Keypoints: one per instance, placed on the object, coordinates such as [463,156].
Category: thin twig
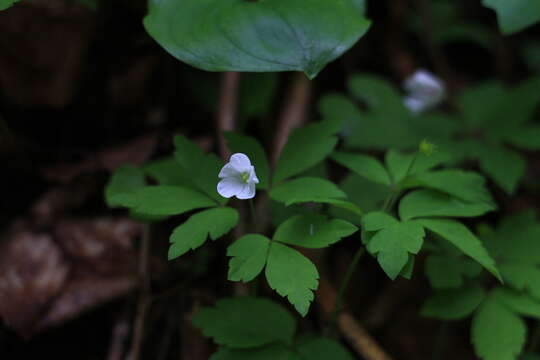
[144,299]
[228,99]
[120,333]
[355,334]
[294,113]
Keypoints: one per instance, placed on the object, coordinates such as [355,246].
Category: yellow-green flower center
[244,176]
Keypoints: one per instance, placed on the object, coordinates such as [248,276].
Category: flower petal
[228,171]
[248,192]
[229,187]
[415,105]
[424,83]
[252,176]
[240,162]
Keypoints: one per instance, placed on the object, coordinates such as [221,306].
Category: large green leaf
[292,275]
[452,304]
[246,322]
[497,333]
[254,150]
[306,147]
[313,231]
[164,200]
[306,189]
[249,254]
[457,234]
[431,203]
[393,242]
[237,35]
[515,15]
[194,232]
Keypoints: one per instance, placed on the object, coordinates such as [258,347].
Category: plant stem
[144,295]
[343,287]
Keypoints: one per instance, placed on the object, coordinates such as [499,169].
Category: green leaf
[453,304]
[294,35]
[313,231]
[167,171]
[338,106]
[457,234]
[123,182]
[305,148]
[527,137]
[164,200]
[401,165]
[378,220]
[505,167]
[445,272]
[430,203]
[483,103]
[407,271]
[337,203]
[306,189]
[393,242]
[4,4]
[365,166]
[522,277]
[323,349]
[377,93]
[497,333]
[520,303]
[249,254]
[246,322]
[517,239]
[202,169]
[255,152]
[467,186]
[268,352]
[368,195]
[515,15]
[292,275]
[194,232]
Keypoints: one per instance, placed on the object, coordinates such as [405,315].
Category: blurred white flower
[425,91]
[238,178]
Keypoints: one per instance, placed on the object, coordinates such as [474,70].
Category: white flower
[425,91]
[238,178]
